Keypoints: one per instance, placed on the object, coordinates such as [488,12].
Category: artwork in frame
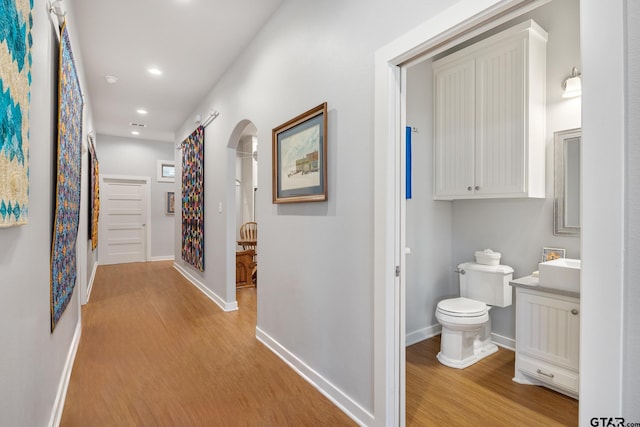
[300,158]
[549,254]
[166,171]
[16,22]
[170,208]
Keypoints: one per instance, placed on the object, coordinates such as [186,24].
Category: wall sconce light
[572,85]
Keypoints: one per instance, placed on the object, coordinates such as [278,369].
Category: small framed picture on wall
[549,254]
[166,171]
[170,203]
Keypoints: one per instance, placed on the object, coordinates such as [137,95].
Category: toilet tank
[486,283]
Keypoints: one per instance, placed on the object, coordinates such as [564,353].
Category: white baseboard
[347,405]
[90,284]
[504,342]
[422,334]
[226,306]
[162,258]
[58,404]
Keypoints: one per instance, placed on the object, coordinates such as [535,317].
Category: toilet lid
[462,307]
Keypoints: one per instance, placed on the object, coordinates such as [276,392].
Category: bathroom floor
[481,395]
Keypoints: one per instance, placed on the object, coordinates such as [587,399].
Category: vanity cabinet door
[548,328]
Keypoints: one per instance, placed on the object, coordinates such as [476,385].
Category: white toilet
[466,326]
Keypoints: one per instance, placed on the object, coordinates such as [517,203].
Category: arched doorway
[242,186]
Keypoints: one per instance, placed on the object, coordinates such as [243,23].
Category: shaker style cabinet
[489,117]
[548,340]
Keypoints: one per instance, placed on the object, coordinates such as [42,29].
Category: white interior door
[124,219]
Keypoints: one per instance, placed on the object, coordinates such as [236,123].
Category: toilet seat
[462,307]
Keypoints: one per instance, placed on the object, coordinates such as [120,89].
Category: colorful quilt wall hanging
[67,210]
[15,97]
[193,199]
[94,194]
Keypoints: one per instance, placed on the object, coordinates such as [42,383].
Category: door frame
[124,179]
[454,25]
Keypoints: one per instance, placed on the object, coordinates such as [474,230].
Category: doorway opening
[443,234]
[244,147]
[396,62]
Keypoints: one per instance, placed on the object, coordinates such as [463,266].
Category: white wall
[429,272]
[32,359]
[631,409]
[315,295]
[132,156]
[520,228]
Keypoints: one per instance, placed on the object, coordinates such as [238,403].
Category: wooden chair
[246,268]
[249,235]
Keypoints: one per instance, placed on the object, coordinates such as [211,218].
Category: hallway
[155,351]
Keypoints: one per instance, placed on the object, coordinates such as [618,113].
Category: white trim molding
[58,404]
[356,412]
[162,258]
[422,334]
[504,342]
[225,306]
[91,279]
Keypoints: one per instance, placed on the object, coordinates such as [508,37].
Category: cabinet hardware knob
[477,187]
[539,371]
[574,311]
[469,188]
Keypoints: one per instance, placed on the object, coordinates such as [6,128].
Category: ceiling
[193,42]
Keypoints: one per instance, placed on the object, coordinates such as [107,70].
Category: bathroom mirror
[566,221]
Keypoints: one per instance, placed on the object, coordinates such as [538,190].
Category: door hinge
[397,271]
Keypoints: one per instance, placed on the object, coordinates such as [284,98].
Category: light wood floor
[481,395]
[156,352]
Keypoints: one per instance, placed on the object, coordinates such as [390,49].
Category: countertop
[530,282]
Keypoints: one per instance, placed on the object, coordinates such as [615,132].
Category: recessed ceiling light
[111,79]
[155,71]
[141,111]
[135,132]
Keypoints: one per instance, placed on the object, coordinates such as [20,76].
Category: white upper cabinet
[490,117]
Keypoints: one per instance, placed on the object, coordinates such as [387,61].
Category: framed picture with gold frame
[300,158]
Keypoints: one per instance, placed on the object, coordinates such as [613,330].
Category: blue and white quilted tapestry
[15,83]
[67,214]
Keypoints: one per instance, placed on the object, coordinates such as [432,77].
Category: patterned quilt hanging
[67,210]
[193,199]
[94,194]
[15,98]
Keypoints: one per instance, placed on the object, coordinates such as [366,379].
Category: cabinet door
[500,119]
[548,328]
[454,129]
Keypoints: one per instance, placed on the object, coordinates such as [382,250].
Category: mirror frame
[559,226]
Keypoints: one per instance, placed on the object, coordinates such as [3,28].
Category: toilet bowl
[466,332]
[466,325]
